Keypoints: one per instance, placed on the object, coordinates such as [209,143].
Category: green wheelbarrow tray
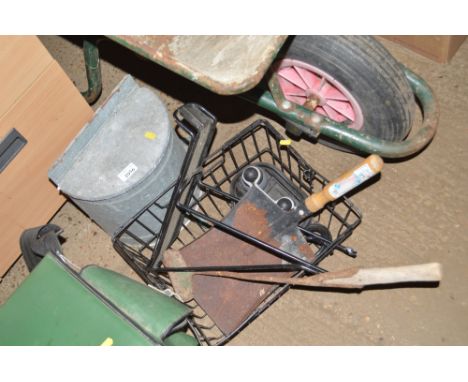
[226,65]
[229,65]
[56,305]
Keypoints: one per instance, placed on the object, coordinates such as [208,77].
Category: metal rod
[235,268]
[324,241]
[250,239]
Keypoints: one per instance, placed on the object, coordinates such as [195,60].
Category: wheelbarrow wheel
[349,79]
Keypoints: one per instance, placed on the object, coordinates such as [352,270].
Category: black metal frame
[201,199]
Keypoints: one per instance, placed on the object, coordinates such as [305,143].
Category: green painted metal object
[223,64]
[305,121]
[313,124]
[93,71]
[180,339]
[55,306]
[388,149]
[52,307]
[156,313]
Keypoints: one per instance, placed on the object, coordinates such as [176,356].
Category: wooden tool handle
[352,278]
[346,182]
[431,272]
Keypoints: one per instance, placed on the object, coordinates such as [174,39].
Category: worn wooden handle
[431,272]
[371,166]
[352,278]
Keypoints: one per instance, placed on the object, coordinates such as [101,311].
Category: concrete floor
[415,213]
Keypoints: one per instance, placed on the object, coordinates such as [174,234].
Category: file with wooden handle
[351,179]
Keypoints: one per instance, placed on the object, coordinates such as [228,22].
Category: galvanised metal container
[122,159]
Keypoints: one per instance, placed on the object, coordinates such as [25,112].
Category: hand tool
[272,218]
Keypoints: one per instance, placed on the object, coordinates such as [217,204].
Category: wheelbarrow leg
[93,71]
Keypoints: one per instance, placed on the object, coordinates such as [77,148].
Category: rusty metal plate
[223,64]
[229,302]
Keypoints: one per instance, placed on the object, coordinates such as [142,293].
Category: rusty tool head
[276,212]
[266,221]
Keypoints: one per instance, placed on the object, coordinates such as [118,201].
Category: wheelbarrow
[344,90]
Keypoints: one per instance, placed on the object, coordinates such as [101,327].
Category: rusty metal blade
[229,302]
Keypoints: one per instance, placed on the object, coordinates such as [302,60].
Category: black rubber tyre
[369,72]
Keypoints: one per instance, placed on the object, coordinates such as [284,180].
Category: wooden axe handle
[352,278]
[371,166]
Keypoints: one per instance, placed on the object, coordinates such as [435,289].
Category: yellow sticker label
[285,142]
[108,342]
[150,135]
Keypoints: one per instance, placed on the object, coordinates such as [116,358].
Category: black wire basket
[203,197]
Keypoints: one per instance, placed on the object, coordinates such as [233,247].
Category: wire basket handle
[200,124]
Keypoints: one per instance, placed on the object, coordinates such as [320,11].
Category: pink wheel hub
[308,86]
